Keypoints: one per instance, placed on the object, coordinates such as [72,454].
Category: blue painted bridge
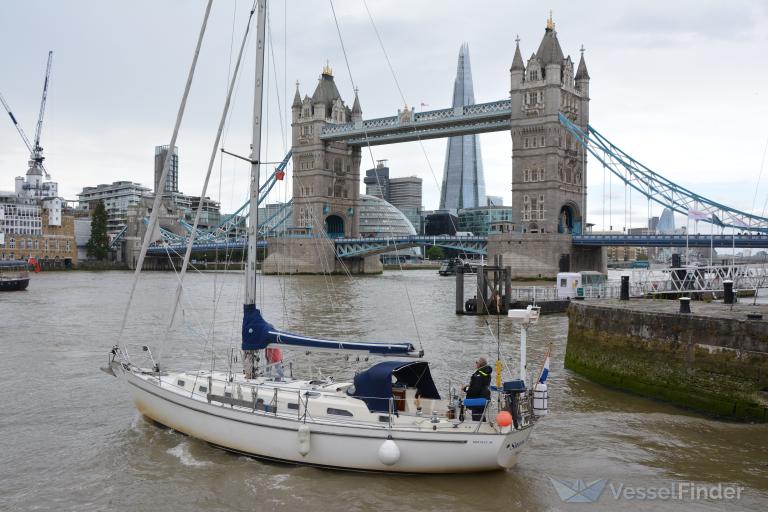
[355,247]
[746,241]
[358,247]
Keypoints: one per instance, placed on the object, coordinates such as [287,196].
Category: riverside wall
[714,360]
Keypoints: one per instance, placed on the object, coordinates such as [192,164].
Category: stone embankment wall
[713,361]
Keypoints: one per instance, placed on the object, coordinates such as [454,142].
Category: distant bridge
[749,241]
[357,247]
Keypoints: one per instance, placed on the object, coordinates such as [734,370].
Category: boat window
[384,419]
[203,389]
[295,407]
[180,382]
[227,394]
[339,412]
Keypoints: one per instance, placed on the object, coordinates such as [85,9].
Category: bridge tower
[326,187]
[326,175]
[549,192]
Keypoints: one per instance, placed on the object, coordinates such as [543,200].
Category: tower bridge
[410,126]
[548,168]
[547,115]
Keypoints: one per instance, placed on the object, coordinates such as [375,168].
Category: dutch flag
[544,371]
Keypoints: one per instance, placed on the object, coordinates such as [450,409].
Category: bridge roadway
[749,241]
[478,118]
[356,247]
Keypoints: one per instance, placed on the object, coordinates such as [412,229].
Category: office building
[117,196]
[172,178]
[35,223]
[377,181]
[379,219]
[478,220]
[463,181]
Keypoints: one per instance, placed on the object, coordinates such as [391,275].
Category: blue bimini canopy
[374,385]
[258,334]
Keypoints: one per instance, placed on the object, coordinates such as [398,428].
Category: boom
[35,151]
[42,103]
[16,124]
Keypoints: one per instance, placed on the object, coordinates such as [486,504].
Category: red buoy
[504,419]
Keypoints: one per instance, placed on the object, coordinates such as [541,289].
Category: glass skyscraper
[463,181]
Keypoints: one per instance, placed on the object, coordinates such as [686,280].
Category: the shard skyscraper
[463,181]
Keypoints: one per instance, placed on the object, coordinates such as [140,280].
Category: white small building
[567,284]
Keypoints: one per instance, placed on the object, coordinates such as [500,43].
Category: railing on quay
[700,279]
[533,293]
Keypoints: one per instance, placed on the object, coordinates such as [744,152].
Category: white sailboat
[389,418]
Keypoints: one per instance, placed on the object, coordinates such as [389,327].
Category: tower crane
[35,150]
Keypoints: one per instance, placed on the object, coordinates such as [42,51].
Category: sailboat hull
[333,446]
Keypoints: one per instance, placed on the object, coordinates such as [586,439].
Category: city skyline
[111,102]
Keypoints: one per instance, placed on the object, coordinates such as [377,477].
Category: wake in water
[181,451]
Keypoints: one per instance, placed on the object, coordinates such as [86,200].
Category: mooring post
[459,291]
[507,289]
[685,305]
[624,288]
[481,298]
[728,296]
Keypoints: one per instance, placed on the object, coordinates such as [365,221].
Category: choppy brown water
[70,438]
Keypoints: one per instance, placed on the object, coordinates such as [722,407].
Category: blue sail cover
[374,385]
[258,334]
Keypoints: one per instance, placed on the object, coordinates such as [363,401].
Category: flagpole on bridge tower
[687,232]
[711,241]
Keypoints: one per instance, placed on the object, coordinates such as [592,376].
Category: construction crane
[35,150]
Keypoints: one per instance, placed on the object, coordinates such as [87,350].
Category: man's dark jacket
[479,382]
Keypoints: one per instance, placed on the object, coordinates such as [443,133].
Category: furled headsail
[258,334]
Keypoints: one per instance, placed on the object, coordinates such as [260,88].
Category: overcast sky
[681,86]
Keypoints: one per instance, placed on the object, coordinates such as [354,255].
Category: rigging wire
[762,166]
[421,144]
[604,191]
[221,170]
[211,162]
[368,144]
[153,220]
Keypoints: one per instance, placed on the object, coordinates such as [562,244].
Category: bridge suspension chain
[658,188]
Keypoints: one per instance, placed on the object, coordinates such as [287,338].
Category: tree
[98,245]
[435,253]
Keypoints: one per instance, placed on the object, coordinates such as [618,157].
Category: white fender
[303,436]
[389,453]
[540,399]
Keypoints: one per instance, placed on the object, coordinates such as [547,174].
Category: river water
[70,438]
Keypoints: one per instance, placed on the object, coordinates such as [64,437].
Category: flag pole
[541,370]
[687,229]
[711,241]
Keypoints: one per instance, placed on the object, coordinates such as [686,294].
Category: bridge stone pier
[313,255]
[544,255]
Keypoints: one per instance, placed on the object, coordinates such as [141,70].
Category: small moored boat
[14,275]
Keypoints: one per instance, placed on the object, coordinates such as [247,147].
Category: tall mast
[253,217]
